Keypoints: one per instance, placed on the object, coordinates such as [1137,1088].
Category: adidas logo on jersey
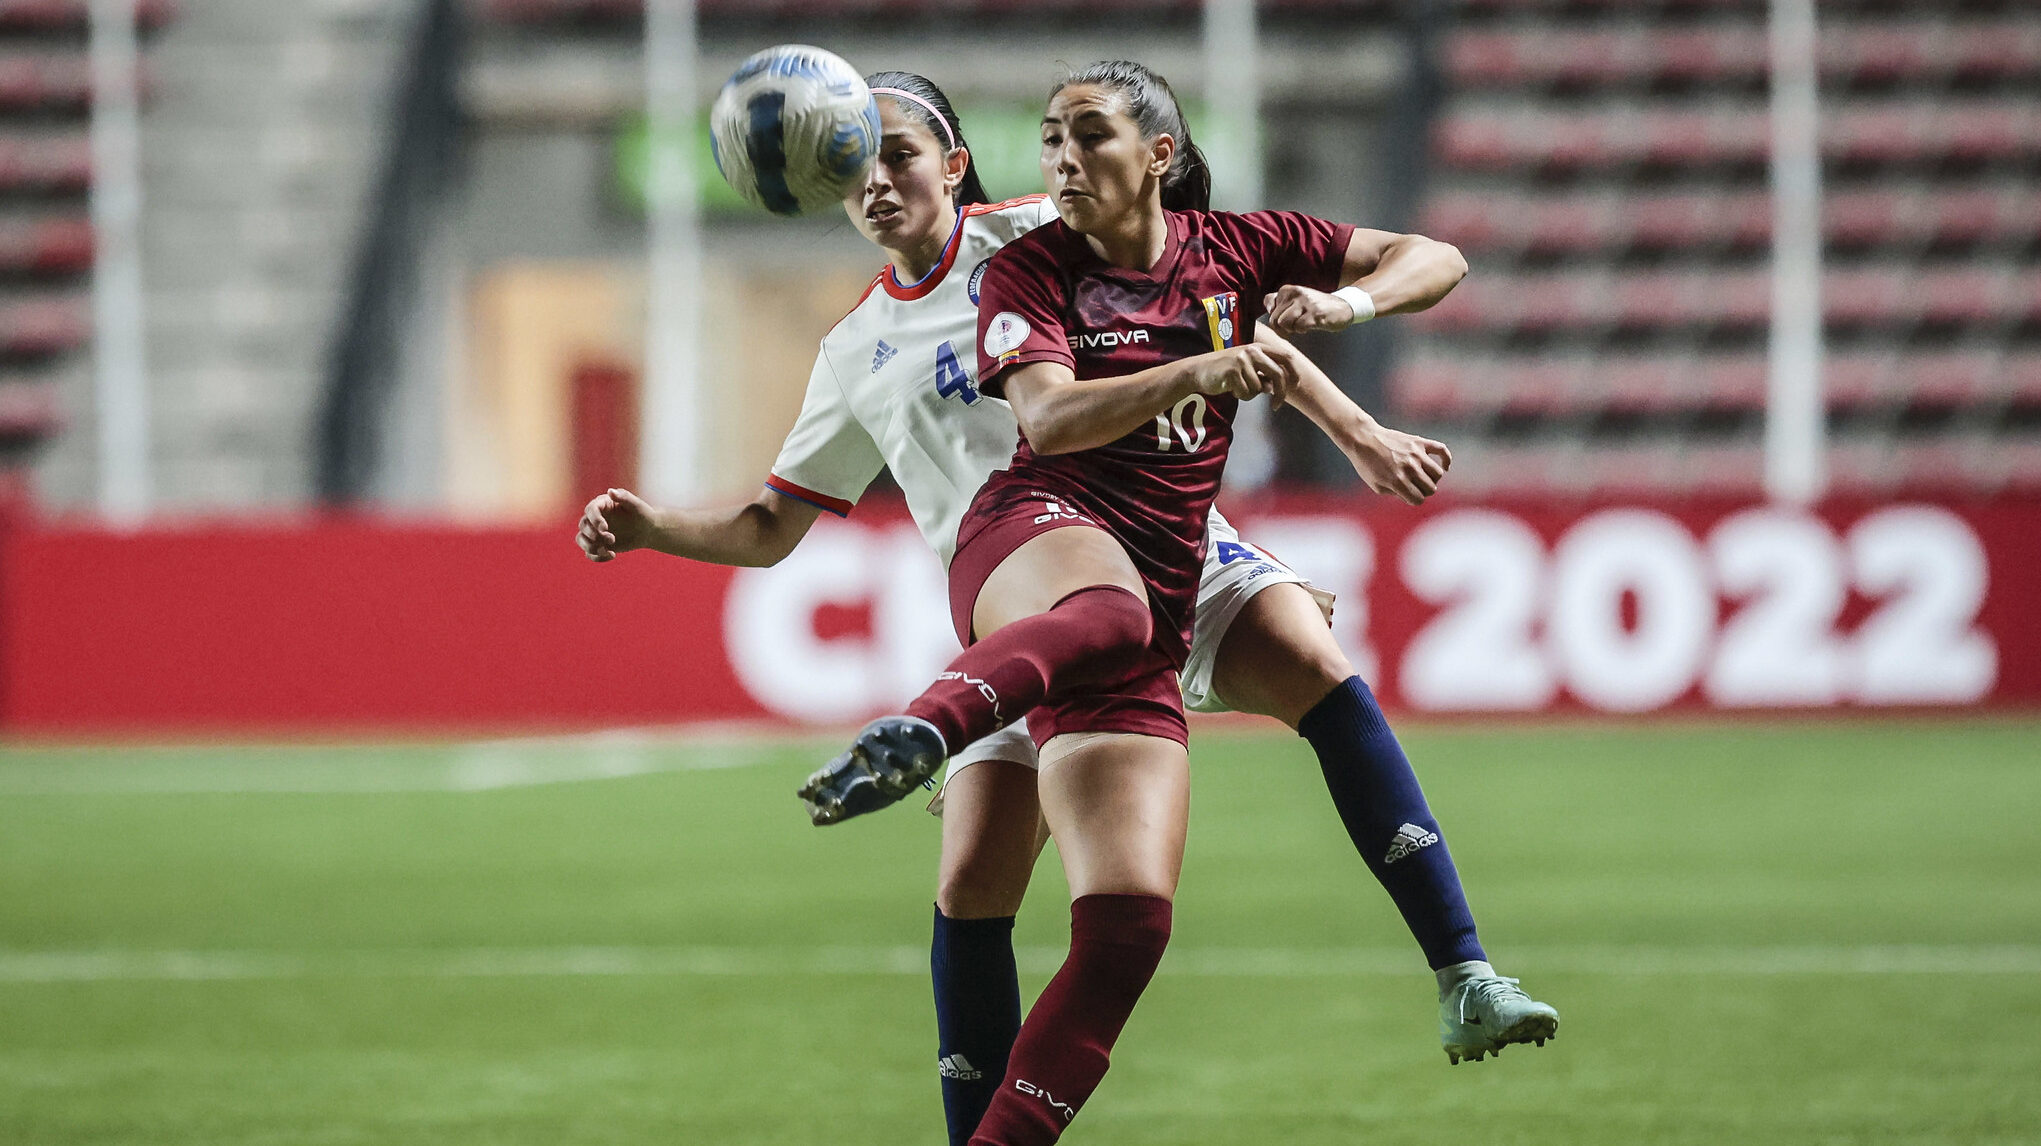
[1409,838]
[958,1067]
[882,355]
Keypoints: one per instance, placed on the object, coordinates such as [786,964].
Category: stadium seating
[64,16]
[1462,386]
[1923,51]
[1916,215]
[1606,298]
[46,238]
[1506,136]
[620,11]
[46,247]
[1603,165]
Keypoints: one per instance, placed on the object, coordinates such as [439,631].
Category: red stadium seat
[46,246]
[2019,378]
[1896,217]
[2019,465]
[1604,298]
[1933,51]
[1461,386]
[1621,7]
[1502,137]
[69,15]
[53,81]
[30,410]
[45,163]
[632,11]
[39,326]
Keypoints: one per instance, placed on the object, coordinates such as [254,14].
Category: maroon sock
[1083,639]
[1064,1047]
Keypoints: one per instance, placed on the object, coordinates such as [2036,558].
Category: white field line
[481,766]
[27,967]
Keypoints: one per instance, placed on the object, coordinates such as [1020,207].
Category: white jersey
[896,385]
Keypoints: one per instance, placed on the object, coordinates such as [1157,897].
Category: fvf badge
[1222,318]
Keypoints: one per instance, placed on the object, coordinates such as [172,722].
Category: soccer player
[1119,335]
[895,385]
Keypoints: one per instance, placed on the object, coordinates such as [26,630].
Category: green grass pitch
[1766,934]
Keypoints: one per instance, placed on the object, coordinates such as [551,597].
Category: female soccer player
[1116,333]
[895,385]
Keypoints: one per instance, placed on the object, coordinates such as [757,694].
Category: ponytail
[1152,105]
[926,104]
[1192,189]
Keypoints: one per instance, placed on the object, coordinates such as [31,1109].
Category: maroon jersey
[1047,297]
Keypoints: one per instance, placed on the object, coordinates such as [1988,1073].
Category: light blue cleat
[1479,1014]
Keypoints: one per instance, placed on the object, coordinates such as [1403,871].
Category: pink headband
[915,99]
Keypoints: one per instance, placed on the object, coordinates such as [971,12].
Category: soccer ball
[793,129]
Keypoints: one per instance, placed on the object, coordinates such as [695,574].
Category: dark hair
[970,190]
[1187,185]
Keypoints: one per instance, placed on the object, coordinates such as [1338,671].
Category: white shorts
[1234,572]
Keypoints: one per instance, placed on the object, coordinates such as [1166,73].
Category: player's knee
[1114,621]
[980,890]
[1322,668]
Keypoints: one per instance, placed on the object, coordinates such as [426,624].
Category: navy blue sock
[1384,810]
[977,1014]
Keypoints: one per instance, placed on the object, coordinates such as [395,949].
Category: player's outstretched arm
[1396,274]
[1061,414]
[1390,461]
[760,533]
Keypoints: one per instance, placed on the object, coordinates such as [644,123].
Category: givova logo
[984,690]
[1106,338]
[1026,1087]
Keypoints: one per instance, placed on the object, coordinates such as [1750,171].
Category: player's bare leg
[1063,604]
[1047,568]
[992,835]
[1119,805]
[1279,659]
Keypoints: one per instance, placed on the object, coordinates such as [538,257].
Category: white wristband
[1362,302]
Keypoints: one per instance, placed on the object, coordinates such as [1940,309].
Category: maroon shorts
[1146,699]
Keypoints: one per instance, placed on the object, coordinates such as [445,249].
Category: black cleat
[890,758]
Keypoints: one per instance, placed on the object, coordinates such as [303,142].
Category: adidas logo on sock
[882,355]
[958,1067]
[1408,839]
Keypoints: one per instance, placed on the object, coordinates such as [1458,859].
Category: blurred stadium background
[342,801]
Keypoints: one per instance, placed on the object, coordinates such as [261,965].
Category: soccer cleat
[889,758]
[1480,1015]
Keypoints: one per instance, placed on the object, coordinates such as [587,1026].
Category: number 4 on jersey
[950,379]
[1229,552]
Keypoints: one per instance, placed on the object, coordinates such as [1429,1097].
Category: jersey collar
[934,277]
[1173,234]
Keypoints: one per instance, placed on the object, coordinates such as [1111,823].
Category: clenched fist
[616,521]
[1301,310]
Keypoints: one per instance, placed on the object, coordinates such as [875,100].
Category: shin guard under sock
[1067,1042]
[1385,813]
[977,1014]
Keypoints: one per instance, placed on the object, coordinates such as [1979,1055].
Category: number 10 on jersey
[1185,424]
